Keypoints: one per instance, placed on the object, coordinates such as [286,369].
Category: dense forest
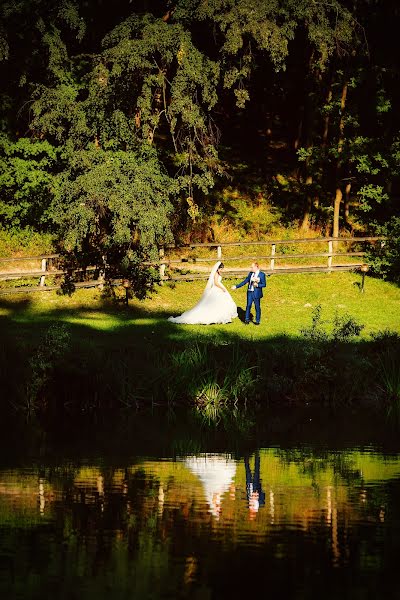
[132,123]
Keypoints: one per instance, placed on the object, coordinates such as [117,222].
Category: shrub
[25,242]
[315,331]
[345,327]
[215,379]
[389,375]
[42,364]
[342,329]
[385,260]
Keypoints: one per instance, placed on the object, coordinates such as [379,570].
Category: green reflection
[175,528]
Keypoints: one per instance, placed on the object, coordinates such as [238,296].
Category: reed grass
[389,369]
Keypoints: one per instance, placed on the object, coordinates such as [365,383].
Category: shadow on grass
[59,365]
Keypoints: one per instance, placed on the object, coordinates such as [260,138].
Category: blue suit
[255,295]
[253,480]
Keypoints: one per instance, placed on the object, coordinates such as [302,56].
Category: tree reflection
[169,527]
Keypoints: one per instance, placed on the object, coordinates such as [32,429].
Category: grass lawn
[113,356]
[287,307]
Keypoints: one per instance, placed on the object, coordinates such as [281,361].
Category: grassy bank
[85,354]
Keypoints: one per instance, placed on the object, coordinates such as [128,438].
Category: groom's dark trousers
[251,297]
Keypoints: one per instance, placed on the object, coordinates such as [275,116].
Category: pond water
[300,522]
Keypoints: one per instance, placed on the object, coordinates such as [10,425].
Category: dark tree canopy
[121,122]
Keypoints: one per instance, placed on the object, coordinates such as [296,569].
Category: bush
[25,242]
[217,380]
[43,363]
[343,328]
[385,260]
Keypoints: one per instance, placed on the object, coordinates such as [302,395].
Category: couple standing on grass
[216,304]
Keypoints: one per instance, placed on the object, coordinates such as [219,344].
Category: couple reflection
[254,491]
[216,472]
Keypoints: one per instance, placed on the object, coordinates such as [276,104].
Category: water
[277,523]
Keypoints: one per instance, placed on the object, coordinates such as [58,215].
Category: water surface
[280,522]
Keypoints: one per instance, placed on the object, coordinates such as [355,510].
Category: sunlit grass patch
[286,307]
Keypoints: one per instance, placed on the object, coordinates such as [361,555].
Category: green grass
[286,308]
[113,356]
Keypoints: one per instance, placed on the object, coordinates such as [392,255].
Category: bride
[215,305]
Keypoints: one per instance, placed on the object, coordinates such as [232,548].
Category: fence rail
[48,267]
[269,242]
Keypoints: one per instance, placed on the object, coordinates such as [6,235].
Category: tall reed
[389,375]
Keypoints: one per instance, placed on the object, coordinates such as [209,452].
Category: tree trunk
[347,203]
[339,193]
[297,141]
[341,121]
[327,117]
[336,212]
[307,207]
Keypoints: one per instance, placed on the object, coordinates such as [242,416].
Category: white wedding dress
[214,306]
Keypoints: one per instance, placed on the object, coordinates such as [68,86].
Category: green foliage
[26,176]
[26,241]
[371,193]
[113,204]
[238,213]
[384,259]
[42,365]
[342,329]
[113,197]
[315,331]
[386,337]
[375,162]
[270,26]
[142,279]
[389,375]
[217,380]
[345,327]
[338,374]
[67,286]
[112,119]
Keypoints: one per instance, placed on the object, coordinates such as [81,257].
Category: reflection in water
[272,506]
[203,526]
[42,499]
[255,494]
[331,518]
[216,473]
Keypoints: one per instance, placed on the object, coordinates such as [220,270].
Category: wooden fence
[49,262]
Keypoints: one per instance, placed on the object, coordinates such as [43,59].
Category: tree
[26,175]
[102,99]
[113,204]
[385,259]
[140,103]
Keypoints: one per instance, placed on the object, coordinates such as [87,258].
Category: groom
[256,281]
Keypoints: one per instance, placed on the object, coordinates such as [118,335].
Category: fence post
[102,274]
[272,261]
[161,254]
[219,252]
[100,280]
[330,252]
[44,269]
